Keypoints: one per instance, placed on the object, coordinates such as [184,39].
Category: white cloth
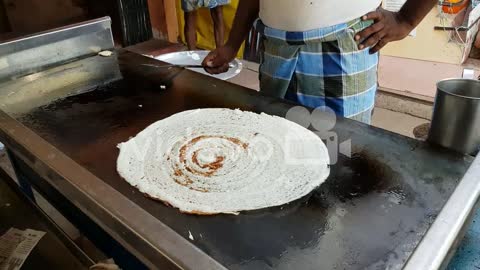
[304,15]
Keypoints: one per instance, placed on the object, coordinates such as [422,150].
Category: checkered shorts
[322,67]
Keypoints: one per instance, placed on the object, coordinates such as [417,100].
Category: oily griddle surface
[371,212]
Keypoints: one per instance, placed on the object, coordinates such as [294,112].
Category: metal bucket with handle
[456,116]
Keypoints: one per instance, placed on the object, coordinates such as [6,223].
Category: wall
[26,16]
[413,66]
[4,24]
[163,17]
[158,18]
[428,45]
[97,9]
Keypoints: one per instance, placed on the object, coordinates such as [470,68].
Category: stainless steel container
[456,116]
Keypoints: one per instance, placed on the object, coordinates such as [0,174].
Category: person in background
[320,52]
[190,8]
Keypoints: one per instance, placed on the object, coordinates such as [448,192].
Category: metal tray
[196,58]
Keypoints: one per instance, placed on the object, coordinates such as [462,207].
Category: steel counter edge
[440,242]
[151,241]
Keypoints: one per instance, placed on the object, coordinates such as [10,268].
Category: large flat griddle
[371,213]
[395,199]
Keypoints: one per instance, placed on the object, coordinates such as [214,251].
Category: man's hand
[218,60]
[388,26]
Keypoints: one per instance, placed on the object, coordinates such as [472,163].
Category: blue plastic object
[468,254]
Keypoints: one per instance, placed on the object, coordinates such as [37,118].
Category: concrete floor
[397,122]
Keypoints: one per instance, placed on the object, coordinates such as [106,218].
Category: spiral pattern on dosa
[211,161]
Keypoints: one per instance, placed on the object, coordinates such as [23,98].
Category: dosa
[212,161]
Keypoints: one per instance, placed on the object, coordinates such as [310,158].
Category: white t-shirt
[304,15]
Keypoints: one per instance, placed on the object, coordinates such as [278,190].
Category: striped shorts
[322,67]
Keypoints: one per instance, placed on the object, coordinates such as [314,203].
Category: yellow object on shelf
[205,35]
[454,6]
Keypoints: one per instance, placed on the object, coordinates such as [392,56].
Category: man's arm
[217,61]
[246,14]
[391,26]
